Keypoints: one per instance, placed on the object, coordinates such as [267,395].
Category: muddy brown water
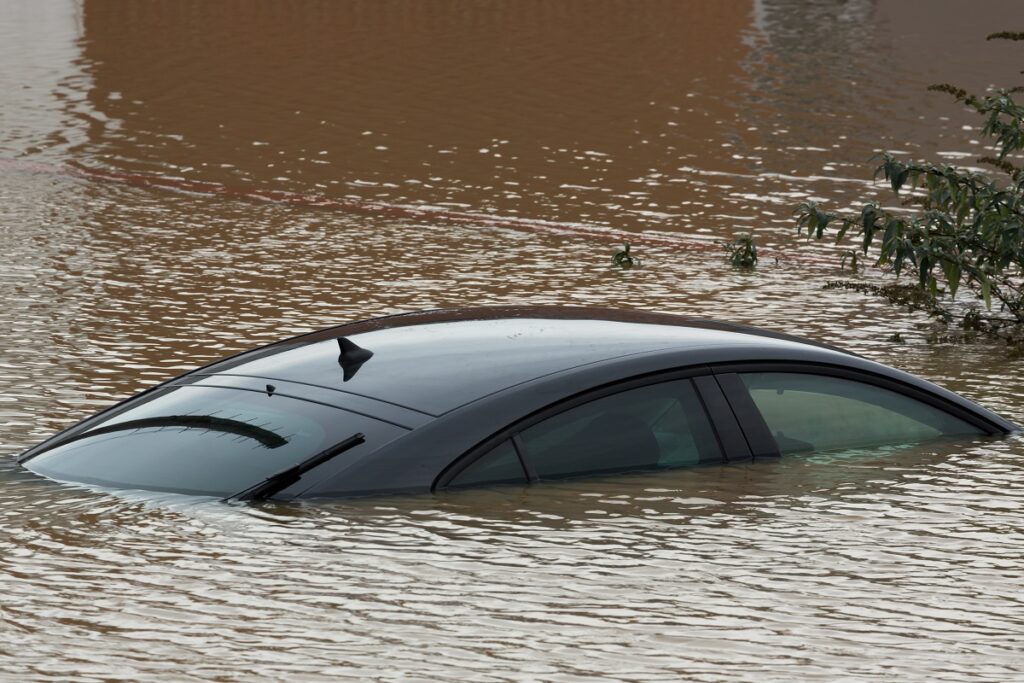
[179,181]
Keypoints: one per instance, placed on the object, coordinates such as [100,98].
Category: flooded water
[179,181]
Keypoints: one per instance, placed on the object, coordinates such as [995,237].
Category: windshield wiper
[288,476]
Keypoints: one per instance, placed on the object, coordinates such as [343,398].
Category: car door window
[658,425]
[500,465]
[807,412]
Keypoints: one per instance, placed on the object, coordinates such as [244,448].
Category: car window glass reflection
[808,412]
[501,465]
[201,440]
[659,425]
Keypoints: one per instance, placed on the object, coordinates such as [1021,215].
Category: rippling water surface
[179,181]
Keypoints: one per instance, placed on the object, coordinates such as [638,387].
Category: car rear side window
[654,426]
[808,412]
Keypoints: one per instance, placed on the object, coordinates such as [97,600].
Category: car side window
[807,412]
[654,426]
[500,465]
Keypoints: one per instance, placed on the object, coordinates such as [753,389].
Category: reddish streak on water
[430,214]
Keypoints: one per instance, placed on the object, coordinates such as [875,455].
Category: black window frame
[738,425]
[758,434]
[729,435]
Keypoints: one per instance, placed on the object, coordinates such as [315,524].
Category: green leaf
[891,232]
[868,215]
[951,269]
[898,179]
[842,231]
[822,219]
[963,209]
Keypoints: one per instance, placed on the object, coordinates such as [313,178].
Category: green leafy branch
[970,233]
[1004,118]
[967,229]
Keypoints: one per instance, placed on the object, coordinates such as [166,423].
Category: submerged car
[447,399]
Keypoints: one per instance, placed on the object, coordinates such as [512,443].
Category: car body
[428,401]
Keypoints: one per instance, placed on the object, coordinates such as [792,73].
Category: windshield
[203,440]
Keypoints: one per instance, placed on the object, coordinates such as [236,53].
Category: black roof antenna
[351,358]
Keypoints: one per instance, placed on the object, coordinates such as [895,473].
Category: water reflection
[719,569]
[521,108]
[675,122]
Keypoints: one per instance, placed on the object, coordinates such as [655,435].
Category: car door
[791,408]
[668,421]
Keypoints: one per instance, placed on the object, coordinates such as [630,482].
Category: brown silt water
[183,180]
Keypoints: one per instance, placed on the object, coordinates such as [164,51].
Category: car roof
[437,361]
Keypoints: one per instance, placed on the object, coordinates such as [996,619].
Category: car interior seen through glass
[655,426]
[808,412]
